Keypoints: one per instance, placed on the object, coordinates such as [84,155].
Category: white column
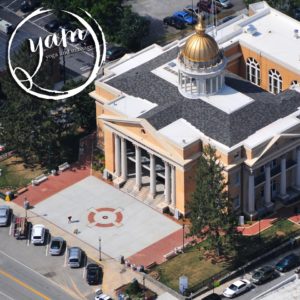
[173,186]
[268,201]
[167,184]
[298,168]
[117,156]
[138,168]
[283,177]
[152,176]
[124,158]
[251,193]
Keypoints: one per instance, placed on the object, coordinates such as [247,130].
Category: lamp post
[259,229]
[144,290]
[100,249]
[183,226]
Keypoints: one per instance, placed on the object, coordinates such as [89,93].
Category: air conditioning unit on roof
[251,29]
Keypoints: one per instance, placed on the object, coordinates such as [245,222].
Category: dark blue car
[287,263]
[185,17]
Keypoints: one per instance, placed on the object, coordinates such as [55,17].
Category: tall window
[253,71]
[275,82]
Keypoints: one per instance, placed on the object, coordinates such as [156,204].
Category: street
[30,271]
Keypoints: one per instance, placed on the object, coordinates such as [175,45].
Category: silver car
[4,215]
[74,257]
[56,246]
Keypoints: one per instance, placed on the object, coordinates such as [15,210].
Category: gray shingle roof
[228,129]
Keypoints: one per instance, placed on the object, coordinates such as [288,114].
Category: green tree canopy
[212,216]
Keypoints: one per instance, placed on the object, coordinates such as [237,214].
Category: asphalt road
[30,271]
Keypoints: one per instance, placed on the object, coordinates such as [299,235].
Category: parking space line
[48,242]
[6,296]
[47,15]
[11,224]
[11,3]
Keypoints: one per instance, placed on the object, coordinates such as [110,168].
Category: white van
[5,27]
[38,234]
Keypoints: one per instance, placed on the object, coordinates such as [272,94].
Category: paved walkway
[115,274]
[256,227]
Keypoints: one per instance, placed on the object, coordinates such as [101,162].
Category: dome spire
[200,26]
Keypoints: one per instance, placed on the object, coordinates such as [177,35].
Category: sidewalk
[115,274]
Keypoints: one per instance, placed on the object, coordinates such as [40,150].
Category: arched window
[253,71]
[275,82]
[294,83]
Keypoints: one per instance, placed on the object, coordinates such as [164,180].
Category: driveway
[98,210]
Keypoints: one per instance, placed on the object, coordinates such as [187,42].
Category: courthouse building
[235,88]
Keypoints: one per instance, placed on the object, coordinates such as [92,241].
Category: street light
[259,228]
[144,290]
[100,249]
[183,225]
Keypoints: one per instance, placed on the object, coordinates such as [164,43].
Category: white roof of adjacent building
[132,106]
[181,132]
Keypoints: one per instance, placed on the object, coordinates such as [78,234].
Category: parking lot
[72,282]
[79,61]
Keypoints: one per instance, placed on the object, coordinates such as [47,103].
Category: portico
[272,181]
[147,168]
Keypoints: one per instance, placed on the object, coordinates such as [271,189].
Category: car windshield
[74,260]
[55,245]
[2,212]
[109,52]
[37,237]
[233,287]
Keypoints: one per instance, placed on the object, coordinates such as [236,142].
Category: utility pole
[100,258]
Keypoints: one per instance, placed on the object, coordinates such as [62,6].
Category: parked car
[174,22]
[115,52]
[238,287]
[224,3]
[185,17]
[29,5]
[93,274]
[38,234]
[52,26]
[74,257]
[212,296]
[56,245]
[4,215]
[263,274]
[21,228]
[287,263]
[102,297]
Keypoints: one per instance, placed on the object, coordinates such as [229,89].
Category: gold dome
[200,47]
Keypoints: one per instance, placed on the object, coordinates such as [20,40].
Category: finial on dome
[200,27]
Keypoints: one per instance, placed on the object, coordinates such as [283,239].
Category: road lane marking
[8,297]
[11,223]
[23,284]
[48,242]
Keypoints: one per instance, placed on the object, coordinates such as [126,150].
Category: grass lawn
[190,264]
[15,175]
[197,269]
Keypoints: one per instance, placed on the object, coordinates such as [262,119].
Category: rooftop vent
[251,29]
[296,33]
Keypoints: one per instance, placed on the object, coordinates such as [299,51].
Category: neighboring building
[236,89]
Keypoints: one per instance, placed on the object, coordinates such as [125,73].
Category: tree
[27,125]
[133,28]
[212,216]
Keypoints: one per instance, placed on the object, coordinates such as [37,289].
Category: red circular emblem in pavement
[105,217]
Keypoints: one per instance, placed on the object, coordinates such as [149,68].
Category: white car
[102,297]
[224,3]
[38,234]
[238,287]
